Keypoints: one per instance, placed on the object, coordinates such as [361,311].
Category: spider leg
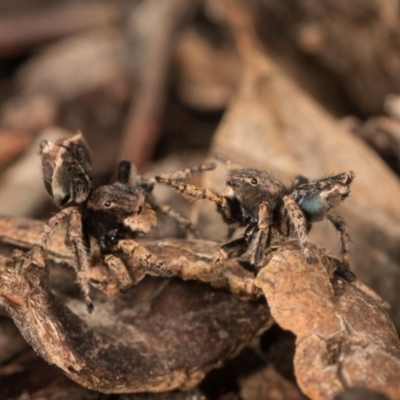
[229,163]
[341,226]
[298,180]
[148,183]
[53,223]
[131,249]
[74,240]
[234,248]
[124,171]
[193,192]
[284,225]
[117,267]
[300,225]
[127,170]
[180,219]
[262,237]
[231,231]
[187,172]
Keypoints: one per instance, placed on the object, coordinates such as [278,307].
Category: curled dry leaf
[344,335]
[161,335]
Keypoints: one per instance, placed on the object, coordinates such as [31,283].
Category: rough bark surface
[345,337]
[163,335]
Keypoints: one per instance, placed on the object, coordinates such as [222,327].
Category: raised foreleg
[187,172]
[192,192]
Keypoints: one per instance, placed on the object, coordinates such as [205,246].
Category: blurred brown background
[306,87]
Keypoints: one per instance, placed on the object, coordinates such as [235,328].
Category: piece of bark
[188,259]
[161,335]
[344,337]
[273,125]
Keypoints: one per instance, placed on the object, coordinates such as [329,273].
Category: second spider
[267,209]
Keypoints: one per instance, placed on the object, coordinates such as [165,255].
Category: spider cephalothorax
[267,208]
[106,214]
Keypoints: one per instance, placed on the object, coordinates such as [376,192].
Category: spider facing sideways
[269,210]
[104,215]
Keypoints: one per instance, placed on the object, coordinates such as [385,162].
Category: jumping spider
[104,215]
[268,209]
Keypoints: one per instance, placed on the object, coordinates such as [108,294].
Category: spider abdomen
[313,207]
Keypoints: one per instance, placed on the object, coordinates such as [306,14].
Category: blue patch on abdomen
[313,207]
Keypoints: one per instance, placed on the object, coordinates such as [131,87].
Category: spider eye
[254,181]
[140,209]
[107,203]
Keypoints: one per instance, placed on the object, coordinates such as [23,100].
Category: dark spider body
[102,215]
[268,209]
[251,187]
[105,215]
[273,208]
